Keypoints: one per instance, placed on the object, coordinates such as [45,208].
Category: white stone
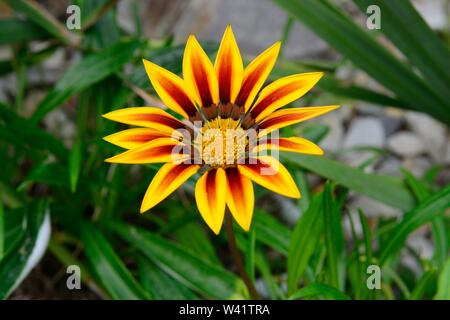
[406,144]
[432,133]
[434,12]
[447,152]
[390,167]
[365,131]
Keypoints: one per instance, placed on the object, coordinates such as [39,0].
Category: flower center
[221,142]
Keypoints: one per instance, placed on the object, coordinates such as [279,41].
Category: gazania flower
[214,99]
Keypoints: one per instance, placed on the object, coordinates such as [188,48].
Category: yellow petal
[271,174]
[240,197]
[282,92]
[168,178]
[293,144]
[133,138]
[199,74]
[229,67]
[290,116]
[156,151]
[171,89]
[149,117]
[255,74]
[210,192]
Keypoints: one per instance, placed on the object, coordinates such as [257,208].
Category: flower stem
[238,259]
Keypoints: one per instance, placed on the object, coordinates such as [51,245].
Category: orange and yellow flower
[215,99]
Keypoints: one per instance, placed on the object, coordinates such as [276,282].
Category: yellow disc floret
[221,142]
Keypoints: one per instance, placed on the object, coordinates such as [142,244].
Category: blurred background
[376,137]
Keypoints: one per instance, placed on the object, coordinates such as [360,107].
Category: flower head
[227,131]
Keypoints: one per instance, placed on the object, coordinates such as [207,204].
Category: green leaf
[427,211]
[404,26]
[367,237]
[193,236]
[108,267]
[275,292]
[349,39]
[319,290]
[2,230]
[47,173]
[337,87]
[360,93]
[304,240]
[198,274]
[422,286]
[88,71]
[38,14]
[438,225]
[334,238]
[271,232]
[32,234]
[443,292]
[388,190]
[75,162]
[27,133]
[13,31]
[161,285]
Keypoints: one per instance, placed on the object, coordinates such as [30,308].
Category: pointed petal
[210,192]
[240,197]
[290,116]
[199,74]
[171,89]
[293,144]
[155,151]
[282,92]
[133,138]
[168,178]
[149,117]
[271,174]
[255,74]
[229,67]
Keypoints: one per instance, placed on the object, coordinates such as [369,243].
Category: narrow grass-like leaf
[432,207]
[422,286]
[160,284]
[53,174]
[27,250]
[198,274]
[304,240]
[85,73]
[274,290]
[367,237]
[333,238]
[271,232]
[438,225]
[75,163]
[38,14]
[193,236]
[13,31]
[388,190]
[348,38]
[319,290]
[29,134]
[108,267]
[443,291]
[2,230]
[406,28]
